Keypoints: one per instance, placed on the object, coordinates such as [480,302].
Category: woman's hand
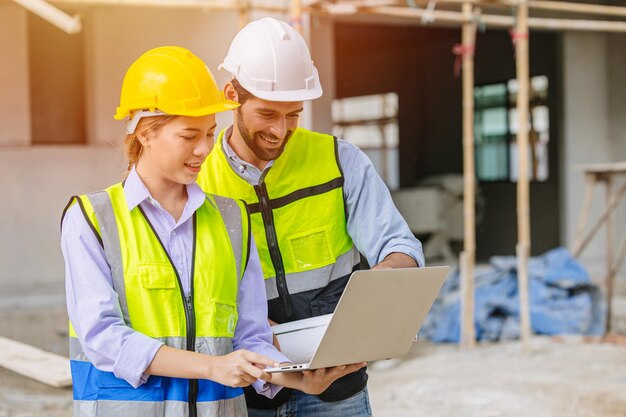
[239,368]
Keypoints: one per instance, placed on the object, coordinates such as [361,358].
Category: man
[314,201]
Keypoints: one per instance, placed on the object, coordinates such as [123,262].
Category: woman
[164,288]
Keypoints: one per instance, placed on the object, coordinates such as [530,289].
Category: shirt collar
[136,192]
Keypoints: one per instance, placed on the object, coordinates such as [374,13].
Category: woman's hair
[146,126]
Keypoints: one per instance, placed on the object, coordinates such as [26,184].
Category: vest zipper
[191,324]
[191,342]
[190,317]
[272,243]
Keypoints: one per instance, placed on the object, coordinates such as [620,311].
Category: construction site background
[39,175]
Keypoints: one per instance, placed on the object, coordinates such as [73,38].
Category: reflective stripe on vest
[297,213]
[167,408]
[152,302]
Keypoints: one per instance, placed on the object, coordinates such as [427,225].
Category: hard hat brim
[295,95]
[203,111]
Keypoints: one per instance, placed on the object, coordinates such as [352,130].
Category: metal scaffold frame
[520,24]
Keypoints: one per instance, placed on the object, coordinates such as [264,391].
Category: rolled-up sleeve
[94,309]
[253,331]
[374,223]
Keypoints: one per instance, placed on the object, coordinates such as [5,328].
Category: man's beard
[254,142]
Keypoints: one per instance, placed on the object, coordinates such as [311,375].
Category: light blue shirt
[374,223]
[92,303]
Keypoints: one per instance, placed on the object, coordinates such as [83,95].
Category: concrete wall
[14,83]
[37,181]
[116,36]
[594,114]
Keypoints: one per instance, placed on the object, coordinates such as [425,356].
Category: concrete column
[323,52]
[587,134]
[617,129]
[617,96]
[15,128]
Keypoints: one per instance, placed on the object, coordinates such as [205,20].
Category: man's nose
[279,128]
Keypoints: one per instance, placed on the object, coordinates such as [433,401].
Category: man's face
[266,126]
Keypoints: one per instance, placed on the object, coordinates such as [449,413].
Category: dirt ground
[558,376]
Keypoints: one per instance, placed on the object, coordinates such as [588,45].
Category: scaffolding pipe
[68,24]
[244,13]
[212,5]
[520,38]
[446,16]
[296,15]
[468,257]
[559,6]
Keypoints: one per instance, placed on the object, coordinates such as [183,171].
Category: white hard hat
[271,60]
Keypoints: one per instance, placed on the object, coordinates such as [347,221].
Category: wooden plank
[590,181]
[619,258]
[607,167]
[614,202]
[35,363]
[609,255]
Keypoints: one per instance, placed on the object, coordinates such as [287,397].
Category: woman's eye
[187,137]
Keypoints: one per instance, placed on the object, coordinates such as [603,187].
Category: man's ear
[230,93]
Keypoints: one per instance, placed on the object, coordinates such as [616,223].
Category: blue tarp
[563,300]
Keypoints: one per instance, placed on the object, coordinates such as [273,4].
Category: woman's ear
[144,138]
[230,93]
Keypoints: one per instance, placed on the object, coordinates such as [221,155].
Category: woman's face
[176,151]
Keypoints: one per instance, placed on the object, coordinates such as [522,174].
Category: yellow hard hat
[171,80]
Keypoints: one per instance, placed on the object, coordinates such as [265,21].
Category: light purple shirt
[93,306]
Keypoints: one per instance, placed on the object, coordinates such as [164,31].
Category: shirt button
[242,168]
[174,233]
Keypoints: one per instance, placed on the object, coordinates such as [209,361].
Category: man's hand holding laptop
[316,381]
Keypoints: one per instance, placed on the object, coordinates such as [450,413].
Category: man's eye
[187,137]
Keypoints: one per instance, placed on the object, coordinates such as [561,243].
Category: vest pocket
[222,318]
[154,300]
[157,275]
[311,249]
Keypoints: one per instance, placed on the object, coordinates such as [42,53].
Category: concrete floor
[558,377]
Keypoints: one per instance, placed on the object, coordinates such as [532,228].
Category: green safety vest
[152,302]
[297,214]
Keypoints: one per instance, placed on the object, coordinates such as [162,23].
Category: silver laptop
[378,317]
